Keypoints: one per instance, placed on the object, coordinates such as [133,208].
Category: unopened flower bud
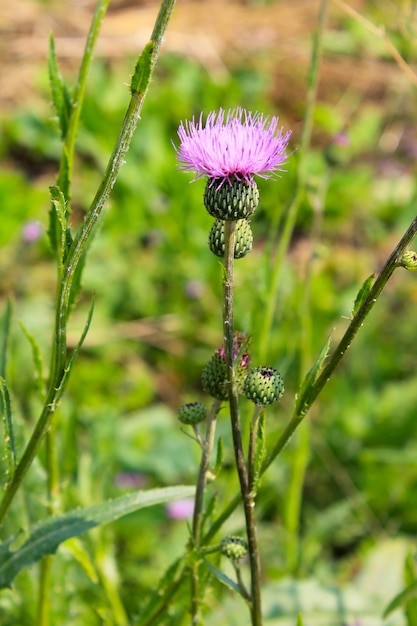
[409,260]
[214,377]
[231,201]
[192,413]
[233,548]
[263,385]
[243,238]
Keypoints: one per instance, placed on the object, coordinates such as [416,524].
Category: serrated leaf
[9,441]
[47,536]
[362,294]
[60,95]
[143,70]
[37,360]
[312,376]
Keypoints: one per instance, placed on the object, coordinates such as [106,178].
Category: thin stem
[75,254]
[304,403]
[311,396]
[291,217]
[207,449]
[247,496]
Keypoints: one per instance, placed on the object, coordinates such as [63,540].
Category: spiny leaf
[60,95]
[362,294]
[47,536]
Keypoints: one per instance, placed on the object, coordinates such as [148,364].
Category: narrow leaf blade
[143,70]
[9,440]
[47,536]
[400,600]
[312,376]
[362,294]
[60,95]
[37,360]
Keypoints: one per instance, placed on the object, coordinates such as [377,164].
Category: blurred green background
[157,288]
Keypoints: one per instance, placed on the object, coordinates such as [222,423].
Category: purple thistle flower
[237,145]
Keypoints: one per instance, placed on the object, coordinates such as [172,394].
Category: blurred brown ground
[218,34]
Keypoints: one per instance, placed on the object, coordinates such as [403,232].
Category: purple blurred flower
[238,145]
[180,509]
[31,231]
[130,480]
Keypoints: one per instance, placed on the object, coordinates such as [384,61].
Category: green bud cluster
[192,413]
[243,238]
[263,385]
[233,547]
[231,201]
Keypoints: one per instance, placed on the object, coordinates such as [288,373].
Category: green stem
[291,217]
[77,250]
[207,449]
[311,395]
[247,496]
[78,99]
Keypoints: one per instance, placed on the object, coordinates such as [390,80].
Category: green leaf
[219,457]
[362,294]
[72,359]
[410,578]
[260,451]
[47,536]
[9,442]
[37,360]
[221,577]
[58,223]
[311,377]
[60,95]
[400,600]
[5,338]
[143,70]
[300,621]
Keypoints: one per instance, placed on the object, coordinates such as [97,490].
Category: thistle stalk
[245,487]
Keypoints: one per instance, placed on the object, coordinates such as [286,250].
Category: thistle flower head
[233,145]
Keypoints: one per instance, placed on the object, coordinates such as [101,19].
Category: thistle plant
[230,149]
